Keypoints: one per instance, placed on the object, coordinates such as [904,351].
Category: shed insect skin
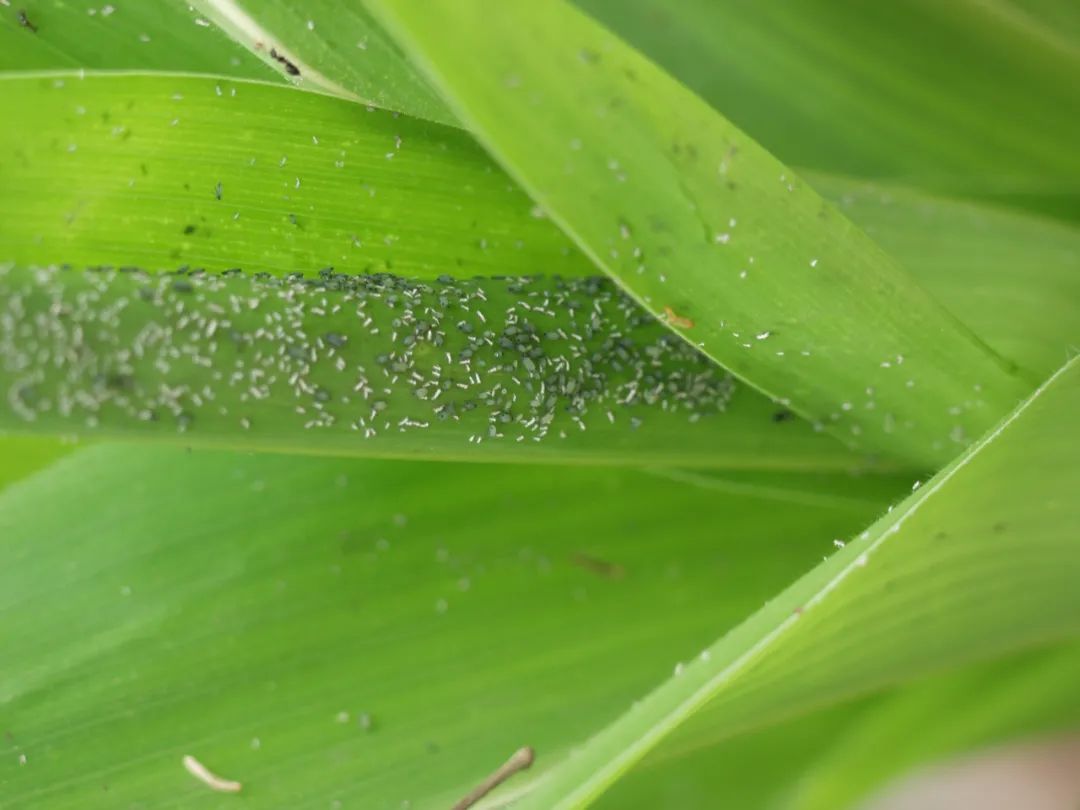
[519,761]
[24,21]
[290,68]
[211,780]
[677,320]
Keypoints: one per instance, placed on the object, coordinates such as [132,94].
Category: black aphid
[24,21]
[290,68]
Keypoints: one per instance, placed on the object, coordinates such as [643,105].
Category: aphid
[677,320]
[211,780]
[437,356]
[290,68]
[24,21]
[521,760]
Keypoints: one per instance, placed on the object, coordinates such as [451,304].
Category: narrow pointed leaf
[980,561]
[318,631]
[143,35]
[1013,278]
[707,229]
[168,170]
[964,98]
[330,46]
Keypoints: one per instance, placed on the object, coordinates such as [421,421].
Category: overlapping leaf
[363,632]
[330,46]
[145,35]
[709,230]
[964,98]
[979,562]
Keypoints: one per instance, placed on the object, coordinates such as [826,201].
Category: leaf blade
[302,588]
[828,312]
[945,617]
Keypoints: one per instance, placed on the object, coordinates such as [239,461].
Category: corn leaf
[964,98]
[966,568]
[707,229]
[318,631]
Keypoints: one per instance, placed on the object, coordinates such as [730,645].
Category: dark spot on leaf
[595,565]
[290,68]
[24,21]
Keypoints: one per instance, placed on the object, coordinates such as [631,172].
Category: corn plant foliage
[334,46]
[254,610]
[196,253]
[708,230]
[168,201]
[519,368]
[833,757]
[155,35]
[198,171]
[363,190]
[965,98]
[22,455]
[907,596]
[159,205]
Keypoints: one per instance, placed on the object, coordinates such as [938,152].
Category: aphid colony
[511,359]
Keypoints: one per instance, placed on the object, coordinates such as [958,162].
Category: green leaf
[364,192]
[143,35]
[22,455]
[166,170]
[707,229]
[330,46]
[975,708]
[251,610]
[834,757]
[979,562]
[510,368]
[1014,279]
[960,97]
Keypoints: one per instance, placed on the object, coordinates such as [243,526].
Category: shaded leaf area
[142,35]
[833,758]
[709,230]
[332,46]
[1014,279]
[522,368]
[979,562]
[315,630]
[161,171]
[979,99]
